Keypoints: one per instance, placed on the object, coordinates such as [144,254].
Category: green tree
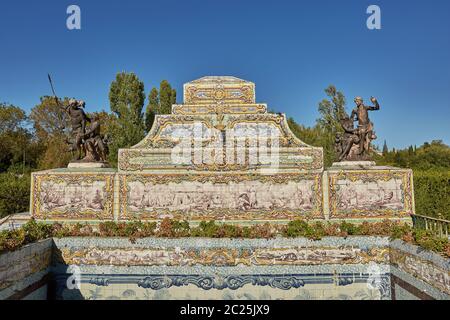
[331,111]
[323,134]
[385,148]
[49,118]
[17,146]
[12,118]
[152,108]
[429,156]
[167,97]
[14,193]
[19,151]
[159,102]
[51,126]
[173,97]
[126,98]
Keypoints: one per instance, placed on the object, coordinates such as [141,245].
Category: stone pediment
[220,120]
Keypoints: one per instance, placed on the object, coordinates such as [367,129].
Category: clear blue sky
[291,49]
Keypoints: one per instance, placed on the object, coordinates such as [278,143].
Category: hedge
[14,193]
[432,193]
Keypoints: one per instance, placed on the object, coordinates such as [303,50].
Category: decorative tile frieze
[370,193]
[72,195]
[220,197]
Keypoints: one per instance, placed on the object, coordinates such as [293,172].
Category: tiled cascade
[157,268]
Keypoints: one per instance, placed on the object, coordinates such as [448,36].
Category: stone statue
[354,143]
[86,140]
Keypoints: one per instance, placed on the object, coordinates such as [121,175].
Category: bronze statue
[86,139]
[345,141]
[96,145]
[91,143]
[354,143]
[78,119]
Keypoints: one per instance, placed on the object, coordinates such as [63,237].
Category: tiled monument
[222,156]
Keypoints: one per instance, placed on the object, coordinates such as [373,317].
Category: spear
[56,99]
[53,89]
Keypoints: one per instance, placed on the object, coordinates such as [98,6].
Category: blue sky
[292,50]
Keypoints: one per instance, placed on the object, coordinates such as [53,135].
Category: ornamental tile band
[221,256]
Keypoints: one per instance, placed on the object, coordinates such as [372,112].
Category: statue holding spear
[78,120]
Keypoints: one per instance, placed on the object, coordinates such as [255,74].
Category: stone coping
[106,242]
[422,253]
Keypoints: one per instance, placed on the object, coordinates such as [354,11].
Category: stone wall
[24,273]
[417,273]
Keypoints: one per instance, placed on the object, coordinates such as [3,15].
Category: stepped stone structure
[222,156]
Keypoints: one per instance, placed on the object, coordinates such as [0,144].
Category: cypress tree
[152,108]
[385,148]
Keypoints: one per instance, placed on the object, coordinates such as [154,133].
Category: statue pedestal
[87,165]
[362,191]
[353,164]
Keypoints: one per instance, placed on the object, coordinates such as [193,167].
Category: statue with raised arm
[354,143]
[88,143]
[365,126]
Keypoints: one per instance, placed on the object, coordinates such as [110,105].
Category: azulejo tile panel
[72,195]
[190,256]
[236,287]
[217,108]
[421,269]
[302,158]
[370,193]
[242,132]
[220,196]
